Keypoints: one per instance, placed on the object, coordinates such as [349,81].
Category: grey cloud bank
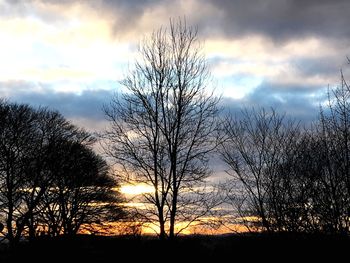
[278,19]
[282,20]
[85,109]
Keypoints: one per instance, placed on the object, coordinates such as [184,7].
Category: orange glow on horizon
[136,189]
[138,228]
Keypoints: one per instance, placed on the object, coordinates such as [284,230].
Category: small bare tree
[163,128]
[333,134]
[254,149]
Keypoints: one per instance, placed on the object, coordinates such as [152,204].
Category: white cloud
[256,59]
[79,48]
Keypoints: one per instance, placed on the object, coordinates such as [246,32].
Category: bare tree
[317,170]
[299,191]
[162,129]
[254,149]
[333,133]
[292,180]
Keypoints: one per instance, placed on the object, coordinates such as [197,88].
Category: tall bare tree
[163,128]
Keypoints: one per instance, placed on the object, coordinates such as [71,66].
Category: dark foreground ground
[228,248]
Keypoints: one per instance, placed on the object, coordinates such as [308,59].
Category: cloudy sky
[69,55]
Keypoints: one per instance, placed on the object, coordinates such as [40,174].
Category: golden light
[136,189]
[122,228]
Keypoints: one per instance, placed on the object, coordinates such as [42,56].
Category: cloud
[269,53]
[283,20]
[84,109]
[278,20]
[275,19]
[298,102]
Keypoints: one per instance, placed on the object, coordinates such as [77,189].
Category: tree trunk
[162,234]
[173,215]
[10,235]
[31,227]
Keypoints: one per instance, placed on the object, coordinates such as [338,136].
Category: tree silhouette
[255,146]
[163,128]
[332,133]
[20,145]
[38,149]
[81,192]
[293,180]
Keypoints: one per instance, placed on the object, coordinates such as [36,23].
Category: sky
[70,55]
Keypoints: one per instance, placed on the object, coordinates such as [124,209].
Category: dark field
[229,248]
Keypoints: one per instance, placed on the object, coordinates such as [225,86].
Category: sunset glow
[136,189]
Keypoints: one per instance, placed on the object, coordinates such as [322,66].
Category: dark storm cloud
[284,19]
[277,19]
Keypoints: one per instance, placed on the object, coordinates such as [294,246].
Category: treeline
[294,178]
[51,180]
